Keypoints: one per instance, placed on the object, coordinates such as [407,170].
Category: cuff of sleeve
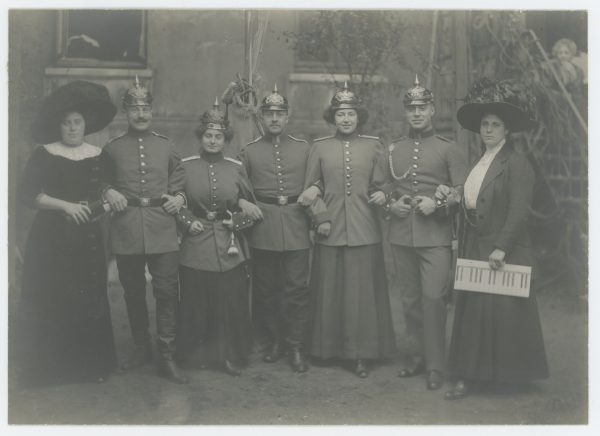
[185,218]
[320,218]
[240,221]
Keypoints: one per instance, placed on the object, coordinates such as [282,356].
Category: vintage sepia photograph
[297,217]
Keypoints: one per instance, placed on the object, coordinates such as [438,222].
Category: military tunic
[350,302]
[345,167]
[145,165]
[214,315]
[278,169]
[421,245]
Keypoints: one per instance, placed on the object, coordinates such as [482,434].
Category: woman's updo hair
[361,112]
[202,128]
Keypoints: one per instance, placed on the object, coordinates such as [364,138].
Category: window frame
[62,34]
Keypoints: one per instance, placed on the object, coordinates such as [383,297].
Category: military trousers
[281,294]
[163,268]
[422,274]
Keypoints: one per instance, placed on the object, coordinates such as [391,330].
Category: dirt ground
[327,394]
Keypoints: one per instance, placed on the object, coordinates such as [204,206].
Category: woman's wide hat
[509,101]
[90,99]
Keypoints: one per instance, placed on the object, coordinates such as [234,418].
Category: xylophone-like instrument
[477,276]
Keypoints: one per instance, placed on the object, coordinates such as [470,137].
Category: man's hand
[116,200]
[324,229]
[173,203]
[196,228]
[377,198]
[399,208]
[443,192]
[425,205]
[250,209]
[497,259]
[309,195]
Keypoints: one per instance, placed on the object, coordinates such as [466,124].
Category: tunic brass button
[140,139]
[348,168]
[416,150]
[278,159]
[142,155]
[348,159]
[143,164]
[414,174]
[415,157]
[143,181]
[415,166]
[141,147]
[417,142]
[348,184]
[348,176]
[347,152]
[415,182]
[214,188]
[214,180]
[210,166]
[212,173]
[348,192]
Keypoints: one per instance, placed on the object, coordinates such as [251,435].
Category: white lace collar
[81,152]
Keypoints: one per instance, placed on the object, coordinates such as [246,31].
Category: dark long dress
[64,331]
[351,316]
[499,338]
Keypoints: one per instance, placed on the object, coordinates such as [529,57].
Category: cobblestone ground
[327,394]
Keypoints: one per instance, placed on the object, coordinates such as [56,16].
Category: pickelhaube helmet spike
[214,118]
[137,95]
[344,98]
[274,101]
[417,95]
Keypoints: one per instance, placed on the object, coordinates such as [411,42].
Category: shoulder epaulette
[297,139]
[323,138]
[230,159]
[369,137]
[442,138]
[161,136]
[116,137]
[402,138]
[255,141]
[186,159]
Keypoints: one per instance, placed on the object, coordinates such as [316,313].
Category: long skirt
[495,338]
[64,332]
[214,317]
[351,317]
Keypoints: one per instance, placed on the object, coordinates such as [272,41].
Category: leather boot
[274,353]
[168,370]
[141,355]
[165,327]
[298,361]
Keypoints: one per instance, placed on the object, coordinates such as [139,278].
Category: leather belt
[210,215]
[146,202]
[280,200]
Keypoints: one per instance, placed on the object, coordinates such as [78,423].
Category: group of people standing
[282,203]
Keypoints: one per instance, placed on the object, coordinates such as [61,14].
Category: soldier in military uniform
[276,165]
[420,230]
[351,308]
[215,325]
[146,190]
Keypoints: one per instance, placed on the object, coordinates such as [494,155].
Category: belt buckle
[282,200]
[211,216]
[144,201]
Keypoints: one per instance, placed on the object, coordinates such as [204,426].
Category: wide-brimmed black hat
[90,99]
[512,103]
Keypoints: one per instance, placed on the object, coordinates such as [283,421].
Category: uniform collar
[211,157]
[348,138]
[137,134]
[419,134]
[271,139]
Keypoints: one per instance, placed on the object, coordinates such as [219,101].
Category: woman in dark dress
[214,325]
[64,327]
[496,338]
[351,308]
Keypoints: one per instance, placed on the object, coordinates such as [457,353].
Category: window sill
[108,73]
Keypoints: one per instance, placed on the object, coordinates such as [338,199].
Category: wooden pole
[432,49]
[461,68]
